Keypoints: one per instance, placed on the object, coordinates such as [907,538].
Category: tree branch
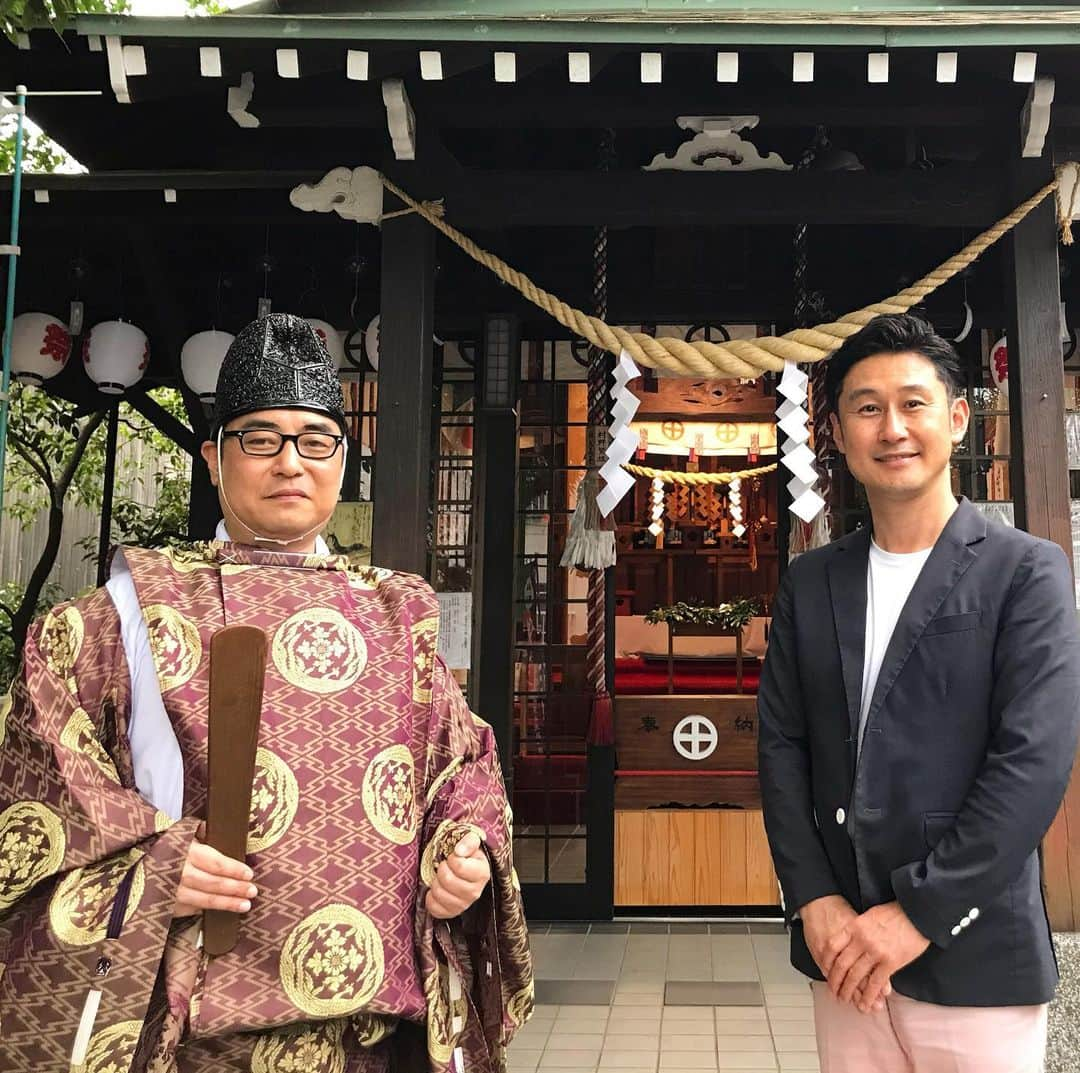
[86,433]
[27,452]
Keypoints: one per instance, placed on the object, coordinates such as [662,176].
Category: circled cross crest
[695,737]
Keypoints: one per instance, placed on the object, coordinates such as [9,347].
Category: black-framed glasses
[265,442]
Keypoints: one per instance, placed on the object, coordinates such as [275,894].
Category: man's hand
[869,950]
[460,880]
[211,880]
[823,919]
[826,928]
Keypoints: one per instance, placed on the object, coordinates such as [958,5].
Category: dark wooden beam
[946,197]
[1039,471]
[403,455]
[956,196]
[516,106]
[164,422]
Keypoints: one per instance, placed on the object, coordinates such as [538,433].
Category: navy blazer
[966,754]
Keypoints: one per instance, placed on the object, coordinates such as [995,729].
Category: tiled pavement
[628,1026]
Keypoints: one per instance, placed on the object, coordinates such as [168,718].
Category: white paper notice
[455,629]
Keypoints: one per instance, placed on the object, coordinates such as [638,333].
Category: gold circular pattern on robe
[82,902]
[275,798]
[315,1048]
[373,1028]
[520,1006]
[174,643]
[388,795]
[319,651]
[61,640]
[368,578]
[444,777]
[112,1050]
[80,737]
[32,846]
[188,560]
[332,962]
[447,835]
[7,702]
[425,641]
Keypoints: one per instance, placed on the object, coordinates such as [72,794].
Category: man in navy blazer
[919,711]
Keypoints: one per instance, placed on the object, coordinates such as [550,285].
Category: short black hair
[894,333]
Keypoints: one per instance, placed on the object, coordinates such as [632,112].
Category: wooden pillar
[204,507]
[402,486]
[108,487]
[1039,471]
[495,479]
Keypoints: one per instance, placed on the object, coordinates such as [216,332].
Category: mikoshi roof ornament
[40,347]
[116,355]
[200,361]
[278,363]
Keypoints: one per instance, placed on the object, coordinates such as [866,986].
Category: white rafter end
[1024,66]
[877,67]
[578,66]
[431,65]
[170,196]
[652,68]
[357,65]
[93,42]
[210,61]
[288,63]
[802,67]
[505,66]
[135,61]
[727,67]
[41,197]
[946,66]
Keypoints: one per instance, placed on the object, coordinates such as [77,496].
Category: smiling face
[285,496]
[896,426]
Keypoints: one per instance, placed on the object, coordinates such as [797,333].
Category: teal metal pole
[9,304]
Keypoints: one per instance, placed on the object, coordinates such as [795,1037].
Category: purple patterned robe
[370,768]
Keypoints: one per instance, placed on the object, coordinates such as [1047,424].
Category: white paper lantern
[116,355]
[999,366]
[40,347]
[331,338]
[371,343]
[200,362]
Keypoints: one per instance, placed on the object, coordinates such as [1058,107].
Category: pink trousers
[919,1037]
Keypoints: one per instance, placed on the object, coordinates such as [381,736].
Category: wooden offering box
[688,825]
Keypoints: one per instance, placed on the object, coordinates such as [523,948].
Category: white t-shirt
[890,577]
[155,753]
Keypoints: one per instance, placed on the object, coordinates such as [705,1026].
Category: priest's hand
[875,945]
[211,880]
[460,879]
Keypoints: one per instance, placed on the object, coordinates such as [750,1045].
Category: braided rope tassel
[601,726]
[697,480]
